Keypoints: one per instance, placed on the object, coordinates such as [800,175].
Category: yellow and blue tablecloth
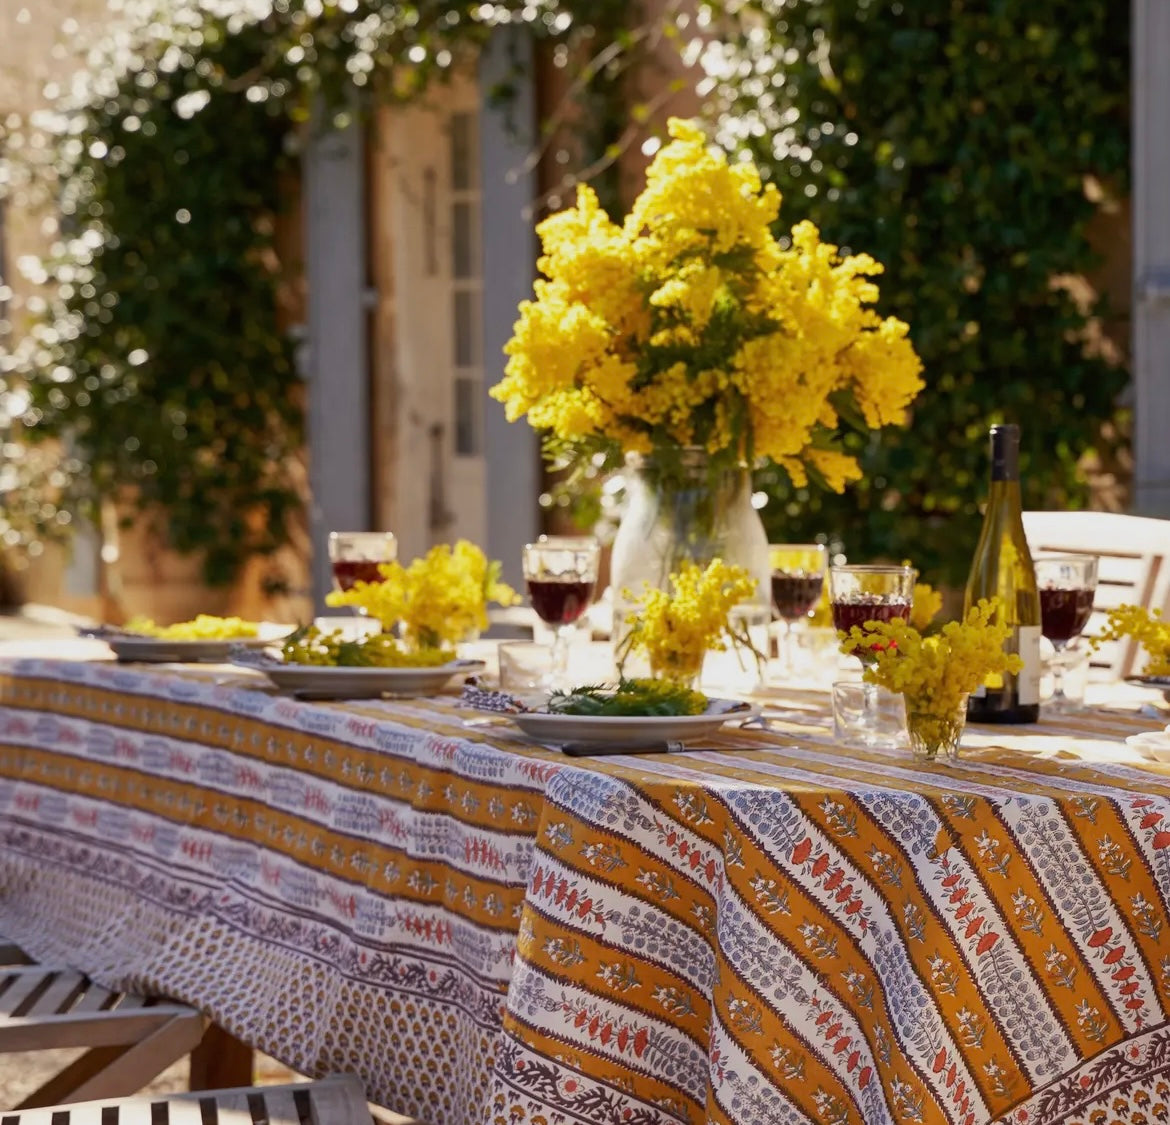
[781,930]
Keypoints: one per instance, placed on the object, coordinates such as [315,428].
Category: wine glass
[858,594]
[356,555]
[561,573]
[1067,586]
[798,576]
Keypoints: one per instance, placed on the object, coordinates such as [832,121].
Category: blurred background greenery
[978,150]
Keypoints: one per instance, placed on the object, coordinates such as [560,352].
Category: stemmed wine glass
[1067,586]
[858,594]
[798,576]
[356,555]
[561,573]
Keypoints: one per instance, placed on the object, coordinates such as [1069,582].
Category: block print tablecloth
[485,932]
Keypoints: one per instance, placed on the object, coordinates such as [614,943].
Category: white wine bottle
[1002,568]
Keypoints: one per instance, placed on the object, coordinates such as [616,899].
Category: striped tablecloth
[488,932]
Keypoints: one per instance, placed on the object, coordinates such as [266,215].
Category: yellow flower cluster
[1144,626]
[691,325]
[676,628]
[925,606]
[935,672]
[438,600]
[204,627]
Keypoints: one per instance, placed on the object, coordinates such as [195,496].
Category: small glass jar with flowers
[934,673]
[437,601]
[676,628]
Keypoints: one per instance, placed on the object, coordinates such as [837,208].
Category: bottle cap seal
[1005,452]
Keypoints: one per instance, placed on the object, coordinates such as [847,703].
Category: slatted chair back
[331,1101]
[130,1038]
[1133,569]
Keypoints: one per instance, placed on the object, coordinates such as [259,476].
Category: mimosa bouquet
[437,601]
[676,628]
[934,673]
[924,606]
[1144,626]
[692,325]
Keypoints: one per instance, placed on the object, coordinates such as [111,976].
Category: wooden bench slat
[20,984]
[183,1111]
[339,1100]
[97,1029]
[94,998]
[88,1113]
[58,995]
[281,1106]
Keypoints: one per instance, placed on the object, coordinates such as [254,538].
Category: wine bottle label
[1028,681]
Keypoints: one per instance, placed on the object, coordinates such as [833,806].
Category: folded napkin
[479,698]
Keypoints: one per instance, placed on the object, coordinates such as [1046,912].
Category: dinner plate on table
[1161,683]
[1153,744]
[632,730]
[326,681]
[139,648]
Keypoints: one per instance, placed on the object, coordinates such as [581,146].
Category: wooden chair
[331,1101]
[1134,569]
[129,1038]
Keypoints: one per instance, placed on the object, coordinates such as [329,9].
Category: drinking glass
[356,556]
[798,576]
[1067,586]
[858,594]
[561,573]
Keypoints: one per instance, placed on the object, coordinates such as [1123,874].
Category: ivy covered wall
[980,151]
[969,146]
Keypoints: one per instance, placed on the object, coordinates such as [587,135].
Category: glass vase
[934,734]
[679,507]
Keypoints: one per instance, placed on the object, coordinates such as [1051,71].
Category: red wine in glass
[1066,585]
[795,595]
[561,572]
[1064,613]
[862,608]
[346,572]
[560,603]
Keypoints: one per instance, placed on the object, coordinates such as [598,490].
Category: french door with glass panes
[426,331]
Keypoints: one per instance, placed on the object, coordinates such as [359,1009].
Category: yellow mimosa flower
[690,324]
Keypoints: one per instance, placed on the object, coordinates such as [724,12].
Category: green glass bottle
[1002,567]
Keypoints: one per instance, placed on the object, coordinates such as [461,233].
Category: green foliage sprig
[629,697]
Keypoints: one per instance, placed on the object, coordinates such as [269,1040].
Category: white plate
[632,729]
[1154,744]
[158,650]
[315,681]
[1162,683]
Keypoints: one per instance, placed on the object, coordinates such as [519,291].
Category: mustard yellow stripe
[380,867]
[509,809]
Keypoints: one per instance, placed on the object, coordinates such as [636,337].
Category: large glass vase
[679,507]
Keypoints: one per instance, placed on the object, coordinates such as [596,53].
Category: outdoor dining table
[771,928]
